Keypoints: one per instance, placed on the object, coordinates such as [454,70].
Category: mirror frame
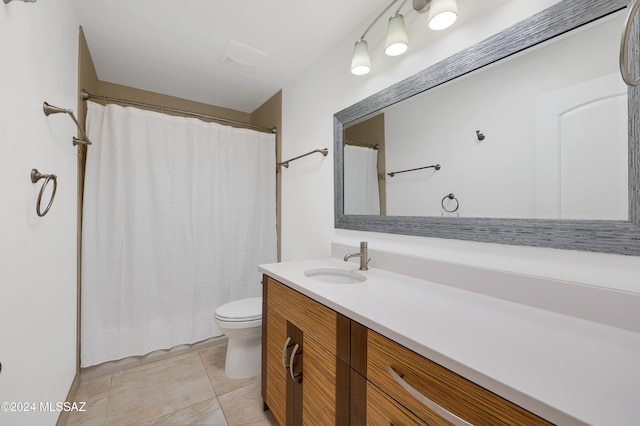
[608,236]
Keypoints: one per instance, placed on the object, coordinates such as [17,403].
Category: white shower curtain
[361,194]
[178,213]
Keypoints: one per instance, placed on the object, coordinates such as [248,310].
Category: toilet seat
[243,310]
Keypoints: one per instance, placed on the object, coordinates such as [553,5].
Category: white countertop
[565,369]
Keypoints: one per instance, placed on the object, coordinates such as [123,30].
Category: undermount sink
[335,275]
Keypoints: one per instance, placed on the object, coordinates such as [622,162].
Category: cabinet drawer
[454,393]
[315,320]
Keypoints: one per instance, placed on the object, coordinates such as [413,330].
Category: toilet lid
[241,310]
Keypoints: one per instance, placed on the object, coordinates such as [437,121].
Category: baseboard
[71,396]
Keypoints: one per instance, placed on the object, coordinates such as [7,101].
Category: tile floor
[188,389]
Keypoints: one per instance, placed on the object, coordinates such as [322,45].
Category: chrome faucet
[363,254]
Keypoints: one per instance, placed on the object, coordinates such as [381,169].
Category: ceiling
[230,53]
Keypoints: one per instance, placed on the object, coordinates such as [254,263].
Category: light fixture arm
[379,16]
[400,7]
[421,5]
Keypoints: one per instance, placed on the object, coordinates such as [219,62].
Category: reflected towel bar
[324,152]
[435,166]
[50,109]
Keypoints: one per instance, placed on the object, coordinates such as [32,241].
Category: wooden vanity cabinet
[305,355]
[321,368]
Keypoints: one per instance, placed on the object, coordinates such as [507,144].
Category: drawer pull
[287,343]
[445,414]
[293,355]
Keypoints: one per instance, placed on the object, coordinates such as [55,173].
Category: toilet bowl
[241,322]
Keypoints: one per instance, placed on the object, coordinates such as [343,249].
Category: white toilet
[241,322]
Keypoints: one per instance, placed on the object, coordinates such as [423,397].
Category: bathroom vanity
[394,349]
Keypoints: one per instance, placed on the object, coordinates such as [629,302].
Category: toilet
[241,322]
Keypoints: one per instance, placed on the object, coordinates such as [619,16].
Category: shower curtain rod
[361,144]
[85,96]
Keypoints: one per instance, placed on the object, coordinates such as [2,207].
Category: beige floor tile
[94,394]
[150,391]
[206,413]
[213,359]
[244,407]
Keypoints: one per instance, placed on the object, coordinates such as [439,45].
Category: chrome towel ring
[35,177]
[624,46]
[451,197]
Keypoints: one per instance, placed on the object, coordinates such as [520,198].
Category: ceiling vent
[242,57]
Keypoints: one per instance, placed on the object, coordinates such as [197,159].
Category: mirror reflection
[541,134]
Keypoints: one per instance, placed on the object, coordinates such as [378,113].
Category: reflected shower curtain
[178,213]
[361,193]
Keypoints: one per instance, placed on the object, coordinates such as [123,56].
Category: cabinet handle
[444,413]
[293,355]
[624,46]
[287,343]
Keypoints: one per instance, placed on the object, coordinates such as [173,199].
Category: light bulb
[361,62]
[442,14]
[397,41]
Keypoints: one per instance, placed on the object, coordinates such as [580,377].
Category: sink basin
[335,275]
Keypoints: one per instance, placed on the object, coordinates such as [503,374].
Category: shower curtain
[178,213]
[361,194]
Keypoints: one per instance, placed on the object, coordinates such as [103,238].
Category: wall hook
[479,135]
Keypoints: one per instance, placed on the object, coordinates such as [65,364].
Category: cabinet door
[274,384]
[319,385]
[313,385]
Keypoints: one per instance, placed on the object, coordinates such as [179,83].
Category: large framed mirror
[527,138]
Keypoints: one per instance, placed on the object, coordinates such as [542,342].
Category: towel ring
[624,46]
[35,177]
[451,197]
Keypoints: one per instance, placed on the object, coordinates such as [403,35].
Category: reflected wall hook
[479,135]
[35,177]
[50,109]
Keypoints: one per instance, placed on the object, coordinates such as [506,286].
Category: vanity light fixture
[397,41]
[442,14]
[26,1]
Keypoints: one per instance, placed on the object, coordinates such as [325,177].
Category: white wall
[38,44]
[328,87]
[497,177]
